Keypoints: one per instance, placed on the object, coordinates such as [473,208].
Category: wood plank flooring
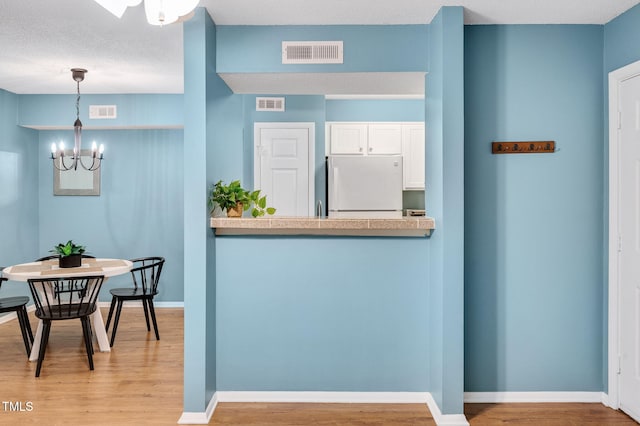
[140,383]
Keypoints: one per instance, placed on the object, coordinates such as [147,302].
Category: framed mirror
[76,182]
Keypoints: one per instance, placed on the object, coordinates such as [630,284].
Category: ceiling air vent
[269,104]
[102,111]
[312,52]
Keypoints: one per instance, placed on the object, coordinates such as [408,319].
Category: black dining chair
[76,299]
[18,304]
[146,275]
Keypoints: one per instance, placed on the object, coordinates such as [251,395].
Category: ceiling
[42,39]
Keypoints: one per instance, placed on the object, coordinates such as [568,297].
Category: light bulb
[53,148]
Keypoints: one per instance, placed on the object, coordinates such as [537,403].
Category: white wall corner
[445,419]
[199,418]
[501,397]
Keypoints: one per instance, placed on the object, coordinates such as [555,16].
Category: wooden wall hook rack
[523,147]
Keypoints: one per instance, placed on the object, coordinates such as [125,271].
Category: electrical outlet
[523,147]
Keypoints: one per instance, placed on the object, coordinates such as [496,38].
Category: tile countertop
[404,227]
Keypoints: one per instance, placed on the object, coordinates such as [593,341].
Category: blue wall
[322,314]
[18,191]
[444,118]
[259,48]
[142,111]
[375,110]
[360,321]
[621,40]
[139,211]
[199,243]
[533,241]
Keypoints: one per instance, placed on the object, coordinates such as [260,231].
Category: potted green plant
[235,199]
[70,254]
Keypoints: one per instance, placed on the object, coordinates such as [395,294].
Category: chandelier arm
[64,167]
[91,168]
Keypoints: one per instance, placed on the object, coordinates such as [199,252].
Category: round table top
[50,269]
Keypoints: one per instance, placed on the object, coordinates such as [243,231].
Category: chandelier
[159,12]
[57,152]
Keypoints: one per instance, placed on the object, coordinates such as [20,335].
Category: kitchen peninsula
[408,226]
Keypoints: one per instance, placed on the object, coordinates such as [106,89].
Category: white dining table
[50,269]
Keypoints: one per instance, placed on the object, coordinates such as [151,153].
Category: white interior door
[629,258]
[283,166]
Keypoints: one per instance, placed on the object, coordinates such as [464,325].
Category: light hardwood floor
[140,383]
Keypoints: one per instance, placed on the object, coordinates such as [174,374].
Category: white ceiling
[40,40]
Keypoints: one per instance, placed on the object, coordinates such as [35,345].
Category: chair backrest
[146,273]
[65,297]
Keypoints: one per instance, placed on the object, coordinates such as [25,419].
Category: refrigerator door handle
[334,189]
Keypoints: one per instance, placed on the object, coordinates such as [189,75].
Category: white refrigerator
[364,186]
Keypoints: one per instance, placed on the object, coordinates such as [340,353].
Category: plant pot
[235,211]
[71,261]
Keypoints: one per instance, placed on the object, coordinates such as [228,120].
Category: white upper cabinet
[348,139]
[366,138]
[413,156]
[385,139]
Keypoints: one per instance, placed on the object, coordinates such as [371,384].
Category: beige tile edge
[323,226]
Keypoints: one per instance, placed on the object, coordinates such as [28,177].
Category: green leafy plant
[259,203]
[68,249]
[228,196]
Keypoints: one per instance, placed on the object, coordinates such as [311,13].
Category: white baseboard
[325,397]
[445,419]
[137,303]
[30,308]
[196,418]
[348,398]
[498,397]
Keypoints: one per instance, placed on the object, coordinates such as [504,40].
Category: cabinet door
[348,138]
[385,139]
[413,156]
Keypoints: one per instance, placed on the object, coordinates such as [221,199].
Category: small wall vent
[269,104]
[312,52]
[98,112]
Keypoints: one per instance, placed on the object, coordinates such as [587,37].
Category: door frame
[311,127]
[615,78]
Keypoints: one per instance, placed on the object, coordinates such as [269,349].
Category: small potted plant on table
[235,199]
[70,254]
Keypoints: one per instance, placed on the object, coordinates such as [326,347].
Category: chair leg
[153,317]
[146,314]
[23,319]
[115,322]
[86,330]
[113,304]
[26,317]
[46,328]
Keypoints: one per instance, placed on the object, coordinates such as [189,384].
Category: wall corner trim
[198,418]
[445,419]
